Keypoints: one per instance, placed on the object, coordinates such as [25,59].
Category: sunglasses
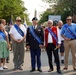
[18,20]
[68,19]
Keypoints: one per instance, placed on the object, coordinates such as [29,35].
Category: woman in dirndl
[4,47]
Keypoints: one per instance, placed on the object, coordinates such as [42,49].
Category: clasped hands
[19,40]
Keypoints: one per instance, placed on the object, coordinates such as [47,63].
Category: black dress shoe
[65,68]
[32,70]
[74,69]
[59,71]
[50,70]
[15,68]
[62,61]
[20,68]
[39,70]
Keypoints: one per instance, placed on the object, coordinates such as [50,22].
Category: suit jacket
[31,41]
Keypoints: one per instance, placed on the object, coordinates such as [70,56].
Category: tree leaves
[12,7]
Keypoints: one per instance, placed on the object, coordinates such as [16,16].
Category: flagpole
[11,20]
[25,24]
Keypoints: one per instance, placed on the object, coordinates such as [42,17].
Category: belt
[50,43]
[18,39]
[72,39]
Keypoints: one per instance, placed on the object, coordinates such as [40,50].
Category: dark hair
[55,23]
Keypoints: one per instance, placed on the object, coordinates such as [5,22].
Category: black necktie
[34,27]
[59,27]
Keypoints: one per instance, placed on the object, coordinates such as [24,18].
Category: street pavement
[27,66]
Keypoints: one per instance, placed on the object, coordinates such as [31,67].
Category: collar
[35,26]
[70,24]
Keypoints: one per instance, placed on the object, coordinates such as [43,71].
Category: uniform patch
[39,30]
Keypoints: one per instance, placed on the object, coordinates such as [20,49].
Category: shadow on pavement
[27,72]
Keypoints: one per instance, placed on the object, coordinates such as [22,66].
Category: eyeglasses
[18,20]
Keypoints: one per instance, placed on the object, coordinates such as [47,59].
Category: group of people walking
[53,38]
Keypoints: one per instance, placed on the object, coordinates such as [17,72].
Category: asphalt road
[27,66]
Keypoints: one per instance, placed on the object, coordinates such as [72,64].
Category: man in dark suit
[34,41]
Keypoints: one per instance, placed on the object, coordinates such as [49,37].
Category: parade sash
[34,35]
[53,35]
[25,25]
[19,30]
[3,35]
[71,33]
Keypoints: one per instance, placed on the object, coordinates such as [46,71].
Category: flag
[11,22]
[25,24]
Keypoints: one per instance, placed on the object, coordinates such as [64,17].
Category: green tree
[49,1]
[63,7]
[12,8]
[44,16]
[64,4]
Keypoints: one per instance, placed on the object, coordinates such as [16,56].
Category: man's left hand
[59,45]
[40,46]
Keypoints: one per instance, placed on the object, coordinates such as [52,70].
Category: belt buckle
[71,39]
[18,39]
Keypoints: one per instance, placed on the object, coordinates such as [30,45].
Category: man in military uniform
[34,41]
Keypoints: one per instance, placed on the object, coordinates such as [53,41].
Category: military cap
[34,18]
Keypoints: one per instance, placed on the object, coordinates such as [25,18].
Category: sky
[31,5]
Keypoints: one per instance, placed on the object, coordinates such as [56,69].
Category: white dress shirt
[34,26]
[50,37]
[15,32]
